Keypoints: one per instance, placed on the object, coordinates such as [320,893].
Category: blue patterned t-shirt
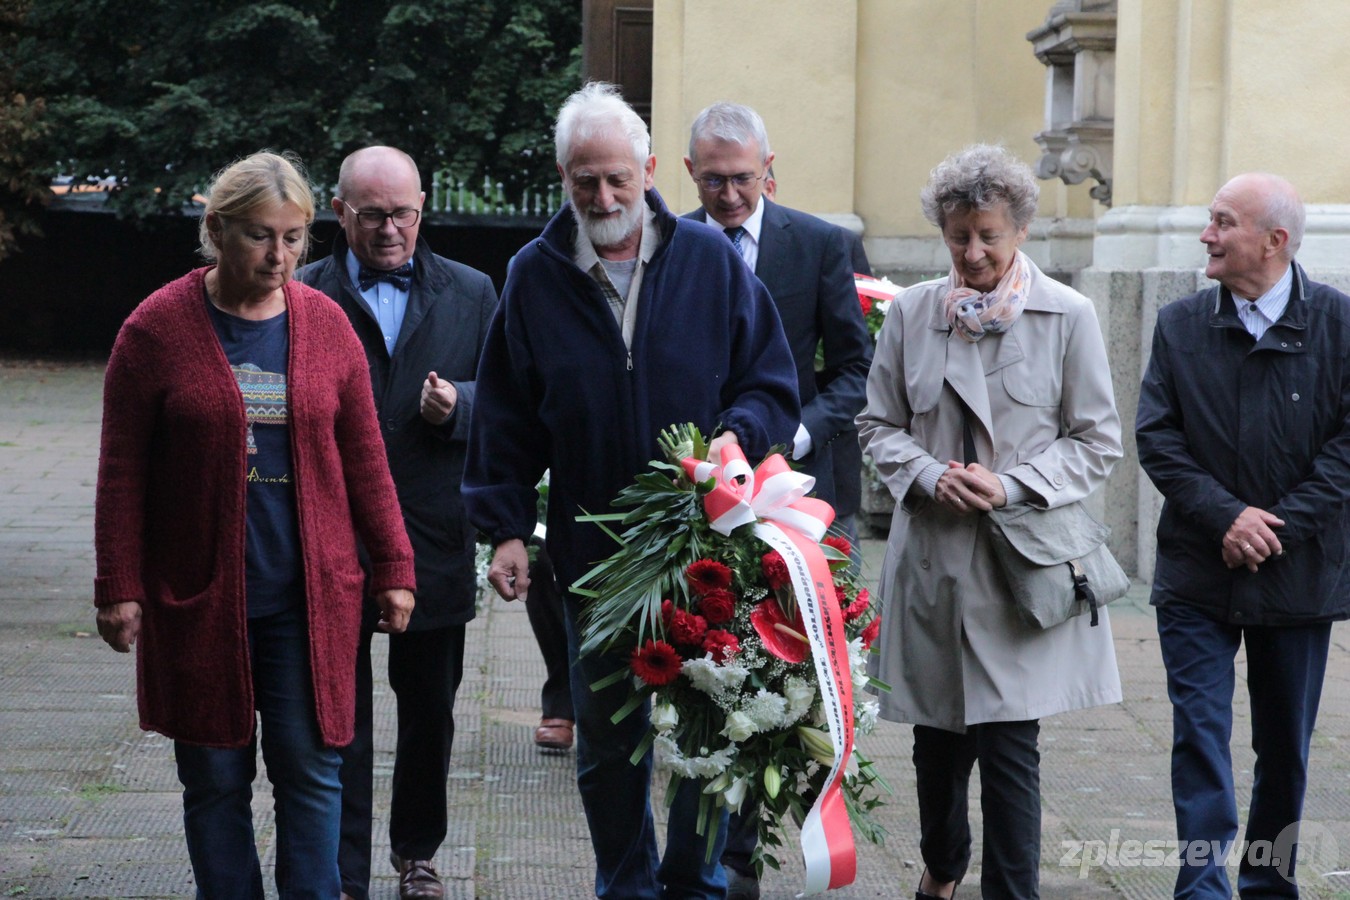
[258,352]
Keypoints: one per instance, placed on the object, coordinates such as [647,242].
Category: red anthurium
[784,638]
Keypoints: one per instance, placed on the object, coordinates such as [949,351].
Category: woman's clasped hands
[969,489]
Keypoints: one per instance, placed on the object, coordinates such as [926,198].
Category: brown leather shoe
[417,880]
[554,734]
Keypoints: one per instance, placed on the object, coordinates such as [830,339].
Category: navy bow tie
[400,278]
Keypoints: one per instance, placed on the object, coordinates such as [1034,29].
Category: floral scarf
[974,314]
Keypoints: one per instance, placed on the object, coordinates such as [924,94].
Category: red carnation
[775,570]
[718,606]
[723,645]
[859,606]
[656,663]
[866,303]
[869,634]
[840,543]
[667,613]
[687,628]
[707,575]
[840,596]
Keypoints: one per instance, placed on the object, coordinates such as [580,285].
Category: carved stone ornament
[1077,44]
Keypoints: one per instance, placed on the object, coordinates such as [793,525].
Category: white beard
[610,232]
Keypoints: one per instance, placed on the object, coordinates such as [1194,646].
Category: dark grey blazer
[449,307]
[806,263]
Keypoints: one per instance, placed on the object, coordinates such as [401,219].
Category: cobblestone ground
[89,804]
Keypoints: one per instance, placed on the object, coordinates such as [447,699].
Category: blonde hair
[257,181]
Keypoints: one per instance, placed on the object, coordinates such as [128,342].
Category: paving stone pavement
[89,804]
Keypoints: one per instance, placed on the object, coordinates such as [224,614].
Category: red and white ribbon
[773,498]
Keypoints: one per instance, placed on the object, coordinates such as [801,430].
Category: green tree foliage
[23,189]
[160,94]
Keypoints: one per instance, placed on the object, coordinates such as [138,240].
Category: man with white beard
[618,321]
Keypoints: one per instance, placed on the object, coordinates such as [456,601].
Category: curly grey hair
[981,177]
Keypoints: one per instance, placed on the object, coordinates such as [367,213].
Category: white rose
[665,717]
[800,695]
[739,727]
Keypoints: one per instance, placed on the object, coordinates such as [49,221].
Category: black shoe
[921,894]
[741,886]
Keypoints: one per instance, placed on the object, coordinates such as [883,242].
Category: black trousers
[544,605]
[425,669]
[1010,802]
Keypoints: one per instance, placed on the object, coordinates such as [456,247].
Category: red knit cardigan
[170,508]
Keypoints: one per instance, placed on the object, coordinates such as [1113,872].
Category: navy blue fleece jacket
[558,390]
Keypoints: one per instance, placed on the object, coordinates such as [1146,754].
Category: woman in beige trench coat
[1018,357]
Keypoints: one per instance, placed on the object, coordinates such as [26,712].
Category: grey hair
[599,109]
[730,122]
[981,177]
[348,164]
[256,182]
[1285,210]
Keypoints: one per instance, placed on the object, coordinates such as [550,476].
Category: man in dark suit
[422,320]
[806,264]
[803,261]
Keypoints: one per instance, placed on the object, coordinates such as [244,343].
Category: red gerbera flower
[687,628]
[718,606]
[723,645]
[656,663]
[859,606]
[707,575]
[869,634]
[775,570]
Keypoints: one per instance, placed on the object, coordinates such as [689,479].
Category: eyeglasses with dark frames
[404,217]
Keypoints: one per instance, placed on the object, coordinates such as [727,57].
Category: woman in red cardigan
[241,461]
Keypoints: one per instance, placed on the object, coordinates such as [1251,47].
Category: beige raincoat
[951,645]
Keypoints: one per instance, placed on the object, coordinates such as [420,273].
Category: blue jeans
[616,796]
[1285,667]
[217,783]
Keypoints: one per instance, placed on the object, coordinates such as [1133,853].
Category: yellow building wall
[791,60]
[1208,89]
[861,98]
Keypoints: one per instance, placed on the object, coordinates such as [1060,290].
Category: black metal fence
[68,292]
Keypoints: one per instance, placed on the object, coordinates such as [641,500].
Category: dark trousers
[1285,668]
[615,794]
[1010,803]
[544,605]
[425,669]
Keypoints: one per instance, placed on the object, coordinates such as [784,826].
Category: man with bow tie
[422,320]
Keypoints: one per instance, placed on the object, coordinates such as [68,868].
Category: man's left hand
[396,607]
[438,399]
[715,447]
